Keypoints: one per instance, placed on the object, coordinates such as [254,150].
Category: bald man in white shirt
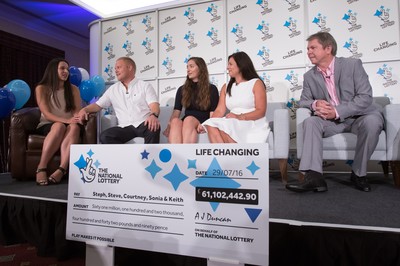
[135,103]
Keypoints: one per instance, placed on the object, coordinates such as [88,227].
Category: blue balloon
[75,76]
[7,103]
[86,89]
[21,91]
[99,85]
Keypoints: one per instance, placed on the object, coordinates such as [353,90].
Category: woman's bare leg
[51,144]
[214,135]
[226,137]
[189,130]
[71,136]
[175,131]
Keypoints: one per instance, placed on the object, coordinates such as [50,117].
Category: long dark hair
[203,100]
[51,80]
[246,68]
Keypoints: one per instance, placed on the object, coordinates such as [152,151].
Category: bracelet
[156,115]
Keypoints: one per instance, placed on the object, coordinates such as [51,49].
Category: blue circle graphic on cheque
[165,155]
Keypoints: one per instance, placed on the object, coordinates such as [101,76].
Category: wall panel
[274,35]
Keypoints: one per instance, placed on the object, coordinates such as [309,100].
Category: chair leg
[283,169]
[385,167]
[395,165]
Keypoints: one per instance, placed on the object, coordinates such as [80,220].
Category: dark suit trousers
[121,135]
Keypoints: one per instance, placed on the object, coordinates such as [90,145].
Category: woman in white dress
[245,99]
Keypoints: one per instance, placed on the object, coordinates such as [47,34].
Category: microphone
[327,77]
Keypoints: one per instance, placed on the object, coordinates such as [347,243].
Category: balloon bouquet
[17,92]
[89,88]
[13,96]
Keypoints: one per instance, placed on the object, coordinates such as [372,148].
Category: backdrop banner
[209,201]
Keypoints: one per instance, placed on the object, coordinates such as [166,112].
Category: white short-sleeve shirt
[131,107]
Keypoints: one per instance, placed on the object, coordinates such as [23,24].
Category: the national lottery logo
[351,18]
[214,81]
[213,34]
[147,44]
[110,51]
[293,79]
[147,22]
[213,11]
[384,15]
[386,72]
[90,170]
[167,40]
[264,5]
[320,21]
[391,98]
[291,24]
[109,70]
[187,58]
[189,37]
[263,27]
[293,161]
[128,26]
[238,31]
[167,63]
[267,81]
[292,105]
[352,46]
[292,5]
[128,48]
[189,14]
[264,53]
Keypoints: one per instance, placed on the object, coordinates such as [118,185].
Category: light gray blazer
[352,88]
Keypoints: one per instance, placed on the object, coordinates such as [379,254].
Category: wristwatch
[156,115]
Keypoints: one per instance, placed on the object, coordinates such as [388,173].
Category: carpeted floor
[25,255]
[341,206]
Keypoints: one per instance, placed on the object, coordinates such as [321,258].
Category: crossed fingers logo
[88,172]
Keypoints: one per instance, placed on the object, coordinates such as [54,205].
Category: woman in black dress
[198,97]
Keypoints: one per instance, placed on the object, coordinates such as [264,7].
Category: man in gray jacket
[338,93]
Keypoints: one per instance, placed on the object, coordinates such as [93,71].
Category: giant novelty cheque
[207,201]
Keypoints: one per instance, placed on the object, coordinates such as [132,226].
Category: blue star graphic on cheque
[153,169]
[175,177]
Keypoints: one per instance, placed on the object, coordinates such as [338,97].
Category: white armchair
[342,146]
[278,139]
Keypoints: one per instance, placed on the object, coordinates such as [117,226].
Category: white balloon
[84,73]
